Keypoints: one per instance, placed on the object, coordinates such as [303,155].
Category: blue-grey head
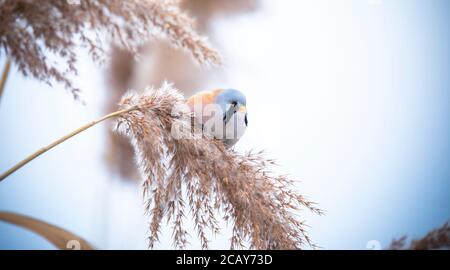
[232,101]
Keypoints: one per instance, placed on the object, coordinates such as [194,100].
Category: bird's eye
[234,103]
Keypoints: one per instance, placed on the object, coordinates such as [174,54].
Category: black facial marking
[245,120]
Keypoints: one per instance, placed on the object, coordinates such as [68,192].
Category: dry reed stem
[60,238]
[4,78]
[60,140]
[261,206]
[196,174]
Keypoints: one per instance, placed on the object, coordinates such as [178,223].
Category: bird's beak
[242,109]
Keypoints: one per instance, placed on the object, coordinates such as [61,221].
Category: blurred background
[351,97]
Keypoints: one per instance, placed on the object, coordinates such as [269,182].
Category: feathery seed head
[215,179]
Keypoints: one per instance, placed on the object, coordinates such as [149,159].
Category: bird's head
[231,101]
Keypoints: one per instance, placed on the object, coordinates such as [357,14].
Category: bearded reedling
[222,114]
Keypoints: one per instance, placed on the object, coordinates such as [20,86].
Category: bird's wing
[198,102]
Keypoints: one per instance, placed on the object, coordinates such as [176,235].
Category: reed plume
[41,37]
[198,174]
[436,239]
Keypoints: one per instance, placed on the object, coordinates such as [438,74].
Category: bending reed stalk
[4,76]
[62,139]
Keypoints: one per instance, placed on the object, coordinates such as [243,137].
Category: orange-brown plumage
[221,113]
[204,98]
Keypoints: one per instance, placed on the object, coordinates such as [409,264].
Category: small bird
[222,114]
